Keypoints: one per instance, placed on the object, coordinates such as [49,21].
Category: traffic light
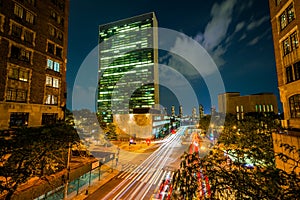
[148,141]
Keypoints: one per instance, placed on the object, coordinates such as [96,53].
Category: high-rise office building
[201,111]
[128,70]
[180,111]
[285,19]
[33,50]
[173,111]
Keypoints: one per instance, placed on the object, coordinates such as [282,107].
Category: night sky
[236,34]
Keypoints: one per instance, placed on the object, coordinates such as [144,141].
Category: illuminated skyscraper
[180,111]
[173,111]
[128,70]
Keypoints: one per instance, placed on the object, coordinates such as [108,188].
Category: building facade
[233,103]
[285,20]
[143,126]
[33,50]
[128,69]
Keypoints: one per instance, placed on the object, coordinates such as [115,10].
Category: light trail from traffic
[138,183]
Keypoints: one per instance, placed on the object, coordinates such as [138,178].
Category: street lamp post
[68,171]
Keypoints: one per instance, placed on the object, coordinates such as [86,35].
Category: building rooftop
[126,20]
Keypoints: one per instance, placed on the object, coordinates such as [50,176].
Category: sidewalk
[140,147]
[106,177]
[36,187]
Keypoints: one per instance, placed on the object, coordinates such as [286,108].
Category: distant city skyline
[238,39]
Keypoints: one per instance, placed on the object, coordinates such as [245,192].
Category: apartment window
[287,16]
[21,32]
[51,99]
[58,19]
[13,73]
[54,49]
[55,33]
[294,40]
[49,118]
[286,46]
[16,95]
[18,10]
[290,13]
[18,74]
[23,75]
[237,109]
[290,43]
[48,81]
[297,70]
[52,31]
[16,30]
[60,35]
[55,83]
[50,64]
[1,21]
[289,74]
[283,21]
[18,119]
[51,81]
[25,55]
[55,66]
[53,14]
[294,102]
[50,48]
[28,36]
[20,53]
[29,17]
[58,52]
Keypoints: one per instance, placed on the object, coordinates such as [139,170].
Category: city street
[141,175]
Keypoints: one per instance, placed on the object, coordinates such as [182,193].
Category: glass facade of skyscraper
[128,74]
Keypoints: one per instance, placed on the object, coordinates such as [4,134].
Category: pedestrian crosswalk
[147,174]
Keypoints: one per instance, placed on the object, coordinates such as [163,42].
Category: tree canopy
[240,166]
[33,152]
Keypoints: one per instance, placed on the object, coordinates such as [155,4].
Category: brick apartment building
[33,50]
[285,20]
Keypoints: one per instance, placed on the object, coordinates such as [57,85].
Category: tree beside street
[33,152]
[241,165]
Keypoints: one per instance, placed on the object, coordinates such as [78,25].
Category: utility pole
[68,172]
